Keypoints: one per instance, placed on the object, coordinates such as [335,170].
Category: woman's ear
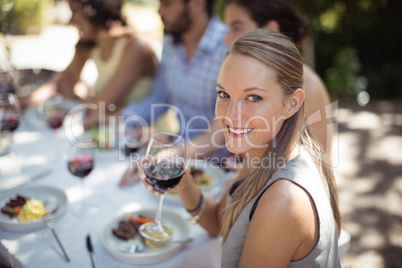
[272,25]
[294,102]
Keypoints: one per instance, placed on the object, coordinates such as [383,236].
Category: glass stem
[84,203]
[159,212]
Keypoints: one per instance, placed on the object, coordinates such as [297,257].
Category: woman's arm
[284,227]
[64,81]
[137,60]
[67,79]
[207,143]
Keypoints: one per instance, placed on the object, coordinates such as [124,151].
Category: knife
[91,252]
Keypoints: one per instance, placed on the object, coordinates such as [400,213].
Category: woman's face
[238,19]
[250,105]
[79,19]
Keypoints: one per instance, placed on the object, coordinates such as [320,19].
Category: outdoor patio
[367,149]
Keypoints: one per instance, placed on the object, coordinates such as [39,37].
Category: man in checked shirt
[192,54]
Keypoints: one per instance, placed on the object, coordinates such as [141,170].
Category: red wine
[9,123]
[128,150]
[164,176]
[55,116]
[130,147]
[80,166]
[55,122]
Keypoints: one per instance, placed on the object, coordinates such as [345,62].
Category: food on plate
[101,136]
[14,205]
[33,209]
[201,177]
[127,228]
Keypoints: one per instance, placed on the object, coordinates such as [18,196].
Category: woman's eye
[237,30]
[254,98]
[223,95]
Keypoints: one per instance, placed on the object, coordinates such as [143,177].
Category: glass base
[86,210]
[157,233]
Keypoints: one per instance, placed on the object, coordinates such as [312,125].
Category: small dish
[149,256]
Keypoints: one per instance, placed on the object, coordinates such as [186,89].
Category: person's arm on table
[207,143]
[65,82]
[138,60]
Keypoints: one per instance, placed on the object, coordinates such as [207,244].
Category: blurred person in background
[125,61]
[192,55]
[242,16]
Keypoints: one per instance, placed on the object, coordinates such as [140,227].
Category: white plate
[50,195]
[148,256]
[218,181]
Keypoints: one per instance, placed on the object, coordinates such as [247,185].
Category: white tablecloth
[40,249]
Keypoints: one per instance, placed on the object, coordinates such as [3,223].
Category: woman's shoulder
[316,93]
[312,81]
[291,213]
[284,196]
[136,43]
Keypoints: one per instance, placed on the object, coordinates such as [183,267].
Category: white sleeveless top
[302,171]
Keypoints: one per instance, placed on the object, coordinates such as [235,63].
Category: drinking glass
[130,146]
[80,162]
[53,111]
[9,121]
[9,112]
[163,165]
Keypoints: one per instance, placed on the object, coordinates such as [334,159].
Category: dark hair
[262,11]
[104,12]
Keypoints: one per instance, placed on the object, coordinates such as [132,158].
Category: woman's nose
[234,111]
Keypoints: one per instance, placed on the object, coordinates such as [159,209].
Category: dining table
[37,158]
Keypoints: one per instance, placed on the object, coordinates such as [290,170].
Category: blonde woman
[242,16]
[284,213]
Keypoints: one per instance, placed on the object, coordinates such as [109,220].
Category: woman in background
[242,16]
[125,61]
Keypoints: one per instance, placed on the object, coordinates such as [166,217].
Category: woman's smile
[238,132]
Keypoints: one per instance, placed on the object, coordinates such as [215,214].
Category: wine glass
[53,111]
[9,121]
[80,162]
[9,112]
[130,147]
[163,165]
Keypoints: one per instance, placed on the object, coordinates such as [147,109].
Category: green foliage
[23,16]
[351,33]
[363,32]
[342,77]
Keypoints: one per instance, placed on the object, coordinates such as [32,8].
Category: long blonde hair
[280,54]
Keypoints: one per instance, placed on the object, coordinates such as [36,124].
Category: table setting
[61,181]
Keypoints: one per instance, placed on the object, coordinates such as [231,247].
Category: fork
[50,224]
